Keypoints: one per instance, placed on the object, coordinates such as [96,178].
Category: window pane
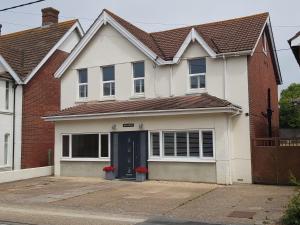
[139,86]
[113,88]
[108,73]
[83,76]
[202,81]
[104,145]
[83,91]
[197,66]
[207,143]
[85,146]
[194,143]
[169,144]
[154,144]
[106,89]
[195,81]
[6,144]
[138,69]
[181,143]
[66,146]
[7,95]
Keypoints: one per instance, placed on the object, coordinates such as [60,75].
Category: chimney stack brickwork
[50,16]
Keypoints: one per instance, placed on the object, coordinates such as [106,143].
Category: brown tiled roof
[24,50]
[156,104]
[233,35]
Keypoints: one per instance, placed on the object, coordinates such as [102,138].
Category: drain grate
[242,214]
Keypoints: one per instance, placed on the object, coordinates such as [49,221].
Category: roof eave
[229,109]
[10,70]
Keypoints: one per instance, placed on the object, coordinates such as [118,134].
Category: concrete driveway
[51,200]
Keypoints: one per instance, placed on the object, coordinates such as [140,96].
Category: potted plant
[141,173]
[109,172]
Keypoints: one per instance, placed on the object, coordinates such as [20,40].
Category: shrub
[292,214]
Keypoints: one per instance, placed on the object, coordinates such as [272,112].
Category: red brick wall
[40,95]
[261,77]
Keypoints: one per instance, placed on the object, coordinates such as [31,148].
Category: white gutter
[225,78]
[230,109]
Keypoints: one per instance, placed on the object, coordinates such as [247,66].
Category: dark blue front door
[129,152]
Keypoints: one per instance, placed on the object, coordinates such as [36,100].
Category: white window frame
[70,158]
[195,90]
[133,93]
[82,84]
[176,158]
[108,97]
[7,95]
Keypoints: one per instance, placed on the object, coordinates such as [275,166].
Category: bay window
[108,81]
[92,146]
[191,144]
[197,72]
[138,78]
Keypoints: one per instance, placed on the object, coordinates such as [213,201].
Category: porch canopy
[190,104]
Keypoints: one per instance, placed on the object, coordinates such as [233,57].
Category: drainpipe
[225,78]
[14,124]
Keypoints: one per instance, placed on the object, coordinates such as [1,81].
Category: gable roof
[202,102]
[295,46]
[234,35]
[237,36]
[26,50]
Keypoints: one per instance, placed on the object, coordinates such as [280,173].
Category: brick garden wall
[40,96]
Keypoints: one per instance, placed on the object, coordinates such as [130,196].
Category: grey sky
[154,15]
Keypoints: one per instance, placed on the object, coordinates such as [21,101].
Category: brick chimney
[50,16]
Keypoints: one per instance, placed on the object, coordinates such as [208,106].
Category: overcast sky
[154,15]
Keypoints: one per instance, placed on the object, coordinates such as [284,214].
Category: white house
[176,101]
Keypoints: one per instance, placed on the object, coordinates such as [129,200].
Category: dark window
[138,69]
[207,143]
[66,146]
[139,86]
[104,145]
[181,143]
[169,147]
[155,144]
[83,83]
[197,66]
[85,146]
[108,73]
[194,144]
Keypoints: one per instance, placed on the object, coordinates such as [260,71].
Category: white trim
[187,158]
[56,46]
[295,42]
[10,70]
[85,159]
[260,34]
[231,109]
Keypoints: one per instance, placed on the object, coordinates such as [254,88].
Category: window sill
[137,96]
[181,160]
[86,159]
[108,98]
[81,100]
[196,91]
[6,112]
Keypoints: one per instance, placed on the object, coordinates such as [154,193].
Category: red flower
[108,169]
[141,169]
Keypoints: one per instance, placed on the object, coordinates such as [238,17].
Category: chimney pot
[50,16]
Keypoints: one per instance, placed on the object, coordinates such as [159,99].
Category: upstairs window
[138,77]
[7,95]
[108,80]
[197,71]
[82,83]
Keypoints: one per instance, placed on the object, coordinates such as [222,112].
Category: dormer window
[82,83]
[264,43]
[108,80]
[138,78]
[197,72]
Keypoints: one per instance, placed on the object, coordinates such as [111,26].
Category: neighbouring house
[185,102]
[294,43]
[28,90]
